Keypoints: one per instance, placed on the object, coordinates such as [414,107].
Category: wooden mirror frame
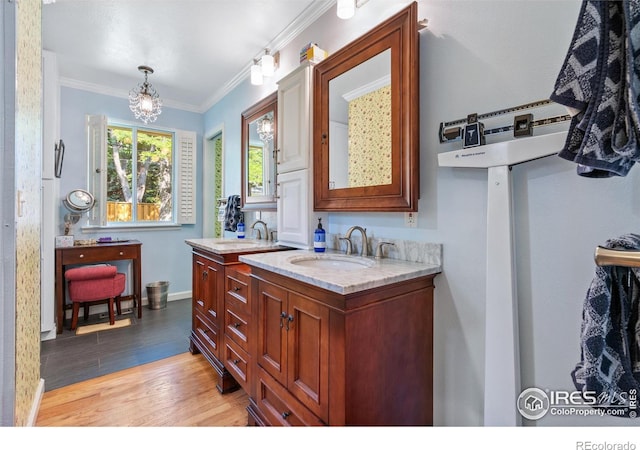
[264,106]
[400,34]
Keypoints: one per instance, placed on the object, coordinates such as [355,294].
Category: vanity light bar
[473,132]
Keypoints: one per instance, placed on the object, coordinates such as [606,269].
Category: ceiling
[199,49]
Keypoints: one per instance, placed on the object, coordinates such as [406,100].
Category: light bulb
[268,64]
[256,74]
[346,9]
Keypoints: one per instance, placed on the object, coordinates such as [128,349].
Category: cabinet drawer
[236,361]
[237,290]
[93,254]
[279,407]
[237,328]
[206,333]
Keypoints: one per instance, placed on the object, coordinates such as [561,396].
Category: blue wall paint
[165,256]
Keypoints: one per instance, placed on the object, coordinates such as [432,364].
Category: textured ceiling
[198,49]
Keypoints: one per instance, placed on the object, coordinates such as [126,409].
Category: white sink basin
[242,242]
[335,262]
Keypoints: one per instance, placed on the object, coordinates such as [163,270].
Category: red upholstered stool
[90,284]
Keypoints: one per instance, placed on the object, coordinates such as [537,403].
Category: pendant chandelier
[144,101]
[265,128]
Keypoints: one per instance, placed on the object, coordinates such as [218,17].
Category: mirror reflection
[360,125]
[258,162]
[259,168]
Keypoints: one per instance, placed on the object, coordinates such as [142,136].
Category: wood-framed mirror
[365,134]
[259,138]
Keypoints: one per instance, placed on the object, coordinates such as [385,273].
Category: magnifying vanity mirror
[77,203]
[259,137]
[366,140]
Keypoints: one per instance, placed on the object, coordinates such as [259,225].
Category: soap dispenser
[319,238]
[240,228]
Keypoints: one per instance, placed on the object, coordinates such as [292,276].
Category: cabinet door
[294,118]
[272,346]
[293,208]
[308,353]
[199,283]
[211,289]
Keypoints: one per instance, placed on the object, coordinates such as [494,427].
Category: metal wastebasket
[157,293]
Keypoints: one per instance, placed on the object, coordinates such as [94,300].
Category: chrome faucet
[365,245]
[258,234]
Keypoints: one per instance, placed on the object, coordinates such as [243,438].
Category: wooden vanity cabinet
[222,316]
[323,358]
[208,304]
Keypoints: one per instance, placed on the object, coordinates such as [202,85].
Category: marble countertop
[367,274]
[232,245]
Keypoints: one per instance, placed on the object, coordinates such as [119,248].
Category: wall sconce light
[347,8]
[268,64]
[256,74]
[264,67]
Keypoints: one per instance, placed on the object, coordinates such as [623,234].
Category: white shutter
[186,176]
[97,167]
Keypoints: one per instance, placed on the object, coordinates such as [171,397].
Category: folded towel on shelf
[609,367]
[232,213]
[600,79]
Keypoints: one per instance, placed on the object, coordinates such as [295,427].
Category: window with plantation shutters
[140,175]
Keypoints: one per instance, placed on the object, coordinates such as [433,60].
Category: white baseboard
[35,407]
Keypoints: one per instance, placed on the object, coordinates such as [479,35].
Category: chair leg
[86,311]
[74,316]
[118,305]
[111,318]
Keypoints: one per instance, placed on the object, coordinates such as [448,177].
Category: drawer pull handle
[282,316]
[121,253]
[237,324]
[285,415]
[237,288]
[81,256]
[289,320]
[205,275]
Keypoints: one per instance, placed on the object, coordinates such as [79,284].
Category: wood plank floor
[176,391]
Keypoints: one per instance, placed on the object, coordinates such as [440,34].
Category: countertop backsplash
[404,250]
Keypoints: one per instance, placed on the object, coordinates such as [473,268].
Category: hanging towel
[600,80]
[232,213]
[609,368]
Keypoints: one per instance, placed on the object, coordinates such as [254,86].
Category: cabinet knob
[236,361]
[81,256]
[282,316]
[237,324]
[285,415]
[205,275]
[237,288]
[121,253]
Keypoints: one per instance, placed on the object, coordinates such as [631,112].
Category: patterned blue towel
[609,368]
[232,213]
[600,79]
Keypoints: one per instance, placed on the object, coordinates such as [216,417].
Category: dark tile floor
[160,333]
